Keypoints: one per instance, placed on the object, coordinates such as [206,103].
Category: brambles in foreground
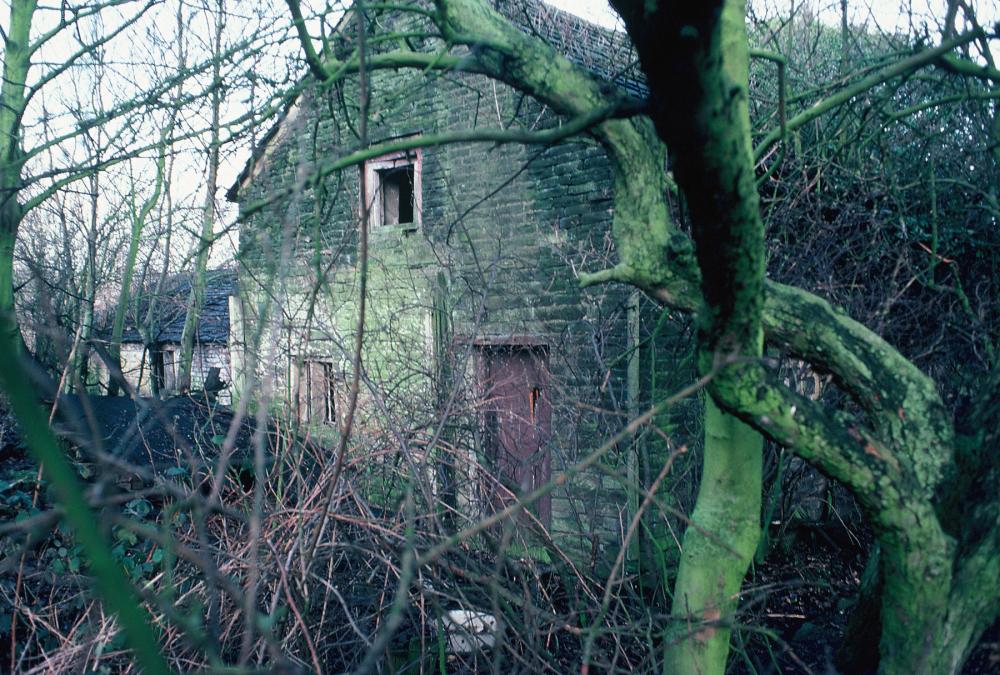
[315,562]
[191,564]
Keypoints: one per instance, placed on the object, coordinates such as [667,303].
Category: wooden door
[518,422]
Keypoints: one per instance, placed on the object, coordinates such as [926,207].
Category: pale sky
[876,15]
[886,14]
[594,11]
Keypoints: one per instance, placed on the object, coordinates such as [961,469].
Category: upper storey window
[393,187]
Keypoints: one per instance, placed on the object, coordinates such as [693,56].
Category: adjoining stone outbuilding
[149,362]
[480,349]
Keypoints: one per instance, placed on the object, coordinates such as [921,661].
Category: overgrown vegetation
[804,244]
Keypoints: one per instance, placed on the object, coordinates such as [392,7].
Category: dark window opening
[392,190]
[318,393]
[330,402]
[397,195]
[157,370]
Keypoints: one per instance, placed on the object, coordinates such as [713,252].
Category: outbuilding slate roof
[171,309]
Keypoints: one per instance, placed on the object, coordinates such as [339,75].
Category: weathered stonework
[136,367]
[503,230]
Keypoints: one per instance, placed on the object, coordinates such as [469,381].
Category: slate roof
[172,303]
[607,54]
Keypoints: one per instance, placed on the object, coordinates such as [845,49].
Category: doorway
[518,420]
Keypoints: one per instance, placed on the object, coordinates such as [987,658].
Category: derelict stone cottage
[480,348]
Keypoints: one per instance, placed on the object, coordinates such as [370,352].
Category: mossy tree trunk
[16,62]
[84,378]
[719,544]
[709,133]
[895,465]
[139,218]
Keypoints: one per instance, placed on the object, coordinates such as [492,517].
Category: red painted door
[518,421]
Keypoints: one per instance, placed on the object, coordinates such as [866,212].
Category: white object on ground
[468,630]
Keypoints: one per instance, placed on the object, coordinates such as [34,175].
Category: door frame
[484,348]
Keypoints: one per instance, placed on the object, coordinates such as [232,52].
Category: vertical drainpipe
[236,357]
[441,332]
[632,458]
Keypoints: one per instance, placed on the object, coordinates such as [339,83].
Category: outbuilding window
[393,190]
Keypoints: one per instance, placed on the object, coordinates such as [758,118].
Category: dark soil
[801,596]
[149,431]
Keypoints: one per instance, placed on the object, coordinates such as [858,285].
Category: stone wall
[136,367]
[503,229]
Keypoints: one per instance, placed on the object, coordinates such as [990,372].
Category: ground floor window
[318,392]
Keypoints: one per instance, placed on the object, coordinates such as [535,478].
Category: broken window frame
[318,407]
[375,173]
